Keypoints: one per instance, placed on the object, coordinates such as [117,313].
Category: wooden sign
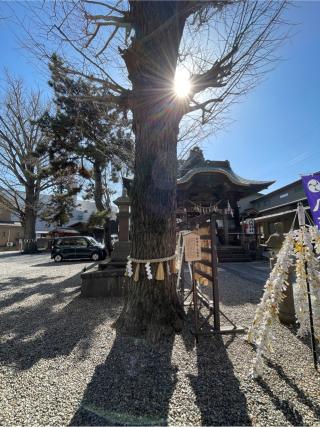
[192,247]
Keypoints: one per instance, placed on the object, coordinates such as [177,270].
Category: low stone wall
[44,244]
[103,283]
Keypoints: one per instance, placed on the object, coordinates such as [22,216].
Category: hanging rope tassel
[148,270]
[173,267]
[147,265]
[129,271]
[136,273]
[160,272]
[168,268]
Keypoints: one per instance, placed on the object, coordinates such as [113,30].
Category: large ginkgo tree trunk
[152,307]
[225,45]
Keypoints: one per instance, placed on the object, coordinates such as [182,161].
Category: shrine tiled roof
[220,167]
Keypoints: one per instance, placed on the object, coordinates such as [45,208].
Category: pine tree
[92,139]
[59,208]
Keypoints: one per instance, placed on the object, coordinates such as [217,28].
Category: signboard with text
[192,247]
[311,185]
[249,226]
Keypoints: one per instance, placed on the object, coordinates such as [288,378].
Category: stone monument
[107,278]
[286,307]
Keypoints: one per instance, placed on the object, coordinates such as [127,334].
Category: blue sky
[275,130]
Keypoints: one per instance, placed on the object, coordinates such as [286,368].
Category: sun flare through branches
[182,84]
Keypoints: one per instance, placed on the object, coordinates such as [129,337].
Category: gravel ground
[61,362]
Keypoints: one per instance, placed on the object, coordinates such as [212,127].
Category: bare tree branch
[22,167]
[104,47]
[228,46]
[115,86]
[105,5]
[108,20]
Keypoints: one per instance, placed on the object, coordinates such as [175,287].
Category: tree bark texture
[98,187]
[29,220]
[98,198]
[152,307]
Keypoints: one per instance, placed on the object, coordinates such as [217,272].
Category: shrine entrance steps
[232,254]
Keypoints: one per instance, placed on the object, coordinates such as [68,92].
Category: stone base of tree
[107,279]
[103,283]
[30,247]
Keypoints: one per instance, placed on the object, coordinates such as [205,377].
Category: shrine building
[206,186]
[211,186]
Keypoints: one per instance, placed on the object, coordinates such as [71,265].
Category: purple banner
[311,185]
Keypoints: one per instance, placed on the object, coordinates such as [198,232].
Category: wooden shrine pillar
[226,228]
[234,206]
[236,215]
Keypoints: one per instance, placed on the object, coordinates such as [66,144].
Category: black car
[76,248]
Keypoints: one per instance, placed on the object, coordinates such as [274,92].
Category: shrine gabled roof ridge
[236,179]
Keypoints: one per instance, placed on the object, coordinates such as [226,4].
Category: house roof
[10,224]
[64,230]
[286,187]
[277,214]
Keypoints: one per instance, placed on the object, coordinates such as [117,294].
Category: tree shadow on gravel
[306,340]
[24,290]
[301,395]
[291,414]
[9,254]
[20,281]
[132,387]
[51,323]
[217,390]
[52,263]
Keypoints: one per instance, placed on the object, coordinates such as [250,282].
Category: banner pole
[313,340]
[214,266]
[195,302]
[311,186]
